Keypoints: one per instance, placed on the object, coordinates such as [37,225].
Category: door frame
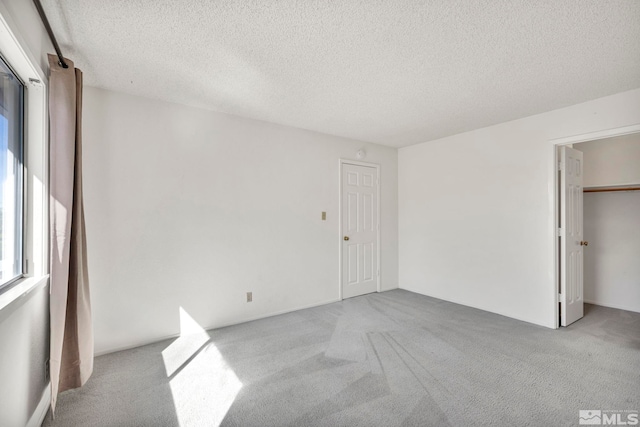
[554,194]
[340,245]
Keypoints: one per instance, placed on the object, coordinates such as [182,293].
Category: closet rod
[47,27]
[603,190]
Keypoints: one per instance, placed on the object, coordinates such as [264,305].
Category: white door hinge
[560,166]
[560,232]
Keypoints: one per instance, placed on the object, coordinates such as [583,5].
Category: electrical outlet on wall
[249,296]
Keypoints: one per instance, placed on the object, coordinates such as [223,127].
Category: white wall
[24,348]
[612,259]
[611,161]
[475,209]
[24,323]
[191,208]
[26,25]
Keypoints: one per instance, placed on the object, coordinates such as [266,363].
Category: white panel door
[571,236]
[359,230]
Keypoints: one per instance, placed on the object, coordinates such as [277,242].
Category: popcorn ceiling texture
[391,72]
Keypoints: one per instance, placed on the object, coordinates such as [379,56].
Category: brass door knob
[346,238]
[583,243]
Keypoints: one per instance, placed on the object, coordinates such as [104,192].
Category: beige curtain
[71,330]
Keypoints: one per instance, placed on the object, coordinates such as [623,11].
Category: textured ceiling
[392,72]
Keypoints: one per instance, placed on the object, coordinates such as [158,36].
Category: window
[11,174]
[24,159]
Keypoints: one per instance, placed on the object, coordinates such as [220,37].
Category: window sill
[19,293]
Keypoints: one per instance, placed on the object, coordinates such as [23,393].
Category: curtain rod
[607,189]
[52,37]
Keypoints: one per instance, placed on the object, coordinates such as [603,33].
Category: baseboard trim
[276,313]
[617,306]
[37,418]
[218,326]
[478,307]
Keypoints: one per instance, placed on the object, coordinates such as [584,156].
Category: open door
[571,236]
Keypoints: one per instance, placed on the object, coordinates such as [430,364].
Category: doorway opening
[596,183]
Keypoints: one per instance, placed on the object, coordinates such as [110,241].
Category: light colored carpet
[389,359]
